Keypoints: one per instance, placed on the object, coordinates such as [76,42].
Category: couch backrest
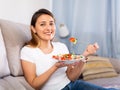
[15,35]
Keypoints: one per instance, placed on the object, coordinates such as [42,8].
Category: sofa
[12,38]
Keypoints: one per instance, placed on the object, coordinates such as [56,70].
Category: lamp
[63,31]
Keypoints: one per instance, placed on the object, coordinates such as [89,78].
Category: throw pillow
[4,68]
[15,36]
[98,67]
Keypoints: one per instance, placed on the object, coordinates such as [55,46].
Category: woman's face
[45,27]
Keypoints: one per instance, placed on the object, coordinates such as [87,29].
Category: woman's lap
[82,85]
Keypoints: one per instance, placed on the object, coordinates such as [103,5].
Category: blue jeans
[82,85]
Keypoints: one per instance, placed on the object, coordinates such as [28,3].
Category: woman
[40,70]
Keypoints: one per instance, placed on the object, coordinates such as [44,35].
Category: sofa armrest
[116,64]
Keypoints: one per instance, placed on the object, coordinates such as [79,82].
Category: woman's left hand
[91,49]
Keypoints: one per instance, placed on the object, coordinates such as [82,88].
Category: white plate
[69,61]
[82,58]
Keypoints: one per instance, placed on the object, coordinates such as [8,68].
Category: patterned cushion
[98,67]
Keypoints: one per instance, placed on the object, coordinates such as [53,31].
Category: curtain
[90,21]
[115,28]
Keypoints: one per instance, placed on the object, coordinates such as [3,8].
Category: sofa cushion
[4,68]
[24,83]
[98,67]
[107,82]
[116,63]
[12,83]
[4,85]
[15,36]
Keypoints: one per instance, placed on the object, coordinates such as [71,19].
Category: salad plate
[69,61]
[69,58]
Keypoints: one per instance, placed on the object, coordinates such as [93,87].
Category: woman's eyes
[46,24]
[51,23]
[42,24]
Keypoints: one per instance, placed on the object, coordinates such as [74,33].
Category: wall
[21,10]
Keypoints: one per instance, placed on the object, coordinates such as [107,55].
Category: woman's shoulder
[27,53]
[27,48]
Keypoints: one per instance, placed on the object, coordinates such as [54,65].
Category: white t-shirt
[44,61]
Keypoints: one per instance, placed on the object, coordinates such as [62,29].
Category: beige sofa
[12,37]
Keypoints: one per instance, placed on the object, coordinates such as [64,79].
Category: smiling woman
[40,69]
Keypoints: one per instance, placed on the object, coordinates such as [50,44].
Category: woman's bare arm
[74,70]
[29,70]
[37,82]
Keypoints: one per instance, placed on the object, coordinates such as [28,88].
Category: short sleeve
[26,54]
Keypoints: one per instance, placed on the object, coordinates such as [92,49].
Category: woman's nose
[48,27]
